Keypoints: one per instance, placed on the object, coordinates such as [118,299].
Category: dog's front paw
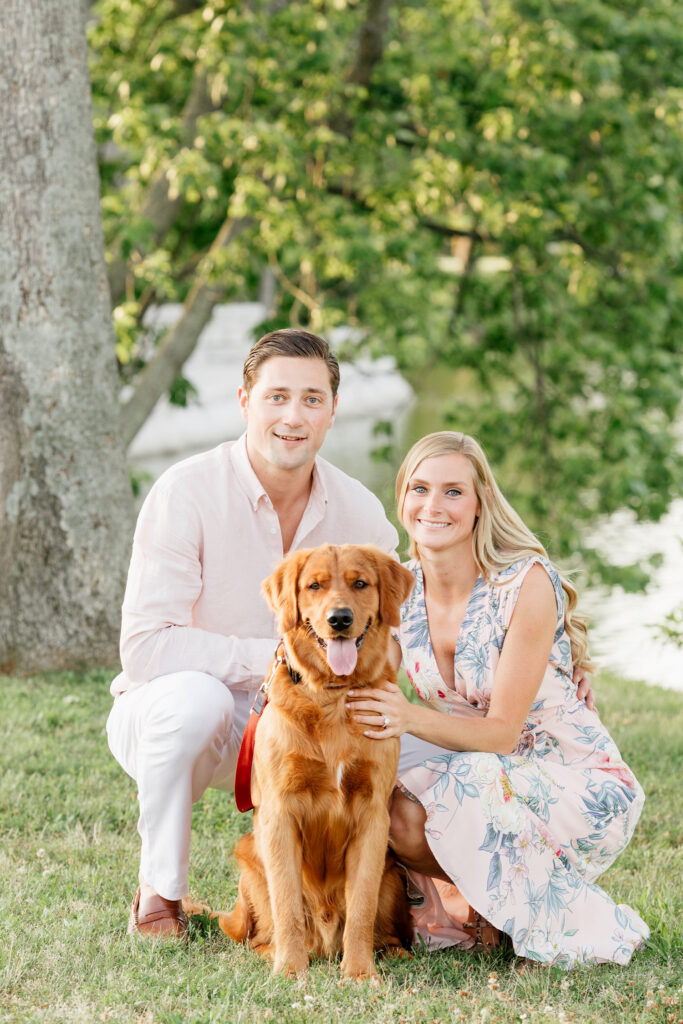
[291,965]
[396,951]
[359,970]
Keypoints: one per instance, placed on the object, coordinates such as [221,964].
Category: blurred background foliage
[487,190]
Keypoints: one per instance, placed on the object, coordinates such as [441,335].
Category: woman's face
[441,505]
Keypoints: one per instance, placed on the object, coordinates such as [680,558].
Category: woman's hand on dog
[387,710]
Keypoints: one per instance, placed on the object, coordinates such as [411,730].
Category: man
[197,636]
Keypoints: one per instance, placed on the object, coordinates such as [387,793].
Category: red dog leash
[246,754]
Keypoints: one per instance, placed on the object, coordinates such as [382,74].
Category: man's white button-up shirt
[206,538]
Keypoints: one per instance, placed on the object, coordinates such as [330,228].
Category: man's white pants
[176,736]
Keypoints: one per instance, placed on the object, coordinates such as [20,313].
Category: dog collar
[323,643]
[281,659]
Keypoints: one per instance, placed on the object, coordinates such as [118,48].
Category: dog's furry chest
[319,765]
[322,761]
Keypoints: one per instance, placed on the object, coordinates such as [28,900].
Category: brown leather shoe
[157,917]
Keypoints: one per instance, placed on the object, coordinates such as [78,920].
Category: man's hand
[584,690]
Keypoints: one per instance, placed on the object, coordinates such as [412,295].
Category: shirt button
[273,529]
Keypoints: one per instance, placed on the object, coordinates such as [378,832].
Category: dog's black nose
[340,618]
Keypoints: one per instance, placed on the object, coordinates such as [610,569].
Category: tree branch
[297,293]
[370,49]
[370,42]
[182,7]
[449,232]
[462,283]
[432,225]
[158,207]
[610,257]
[178,343]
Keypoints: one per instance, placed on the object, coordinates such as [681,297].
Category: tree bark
[65,499]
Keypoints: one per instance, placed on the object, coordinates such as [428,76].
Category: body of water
[625,627]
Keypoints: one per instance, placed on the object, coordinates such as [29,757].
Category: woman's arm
[520,671]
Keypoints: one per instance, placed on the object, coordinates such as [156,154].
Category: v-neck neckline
[460,639]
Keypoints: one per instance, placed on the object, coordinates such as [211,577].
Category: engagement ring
[386,721]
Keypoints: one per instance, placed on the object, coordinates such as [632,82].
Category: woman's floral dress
[522,836]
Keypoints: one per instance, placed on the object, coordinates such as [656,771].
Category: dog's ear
[280,590]
[395,583]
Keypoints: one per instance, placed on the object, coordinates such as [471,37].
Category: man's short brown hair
[293,343]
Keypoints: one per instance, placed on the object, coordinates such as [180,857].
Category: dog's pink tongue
[342,656]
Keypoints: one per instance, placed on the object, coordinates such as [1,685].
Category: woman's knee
[406,826]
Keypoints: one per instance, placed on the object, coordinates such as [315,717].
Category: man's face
[288,411]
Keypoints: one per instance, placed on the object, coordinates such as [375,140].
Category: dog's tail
[237,923]
[252,898]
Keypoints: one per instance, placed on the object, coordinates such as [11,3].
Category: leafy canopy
[487,187]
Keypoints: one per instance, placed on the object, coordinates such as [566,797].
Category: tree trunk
[65,499]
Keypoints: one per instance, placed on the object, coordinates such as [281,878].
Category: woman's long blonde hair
[500,537]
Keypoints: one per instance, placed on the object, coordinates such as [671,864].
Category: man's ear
[243,398]
[395,583]
[335,402]
[280,590]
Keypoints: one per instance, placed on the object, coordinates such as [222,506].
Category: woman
[530,800]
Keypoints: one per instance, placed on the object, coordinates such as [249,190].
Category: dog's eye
[360,584]
[314,586]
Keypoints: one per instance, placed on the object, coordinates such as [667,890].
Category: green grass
[68,861]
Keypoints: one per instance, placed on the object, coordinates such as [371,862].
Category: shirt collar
[254,489]
[250,483]
[318,489]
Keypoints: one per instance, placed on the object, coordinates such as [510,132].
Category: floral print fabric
[522,836]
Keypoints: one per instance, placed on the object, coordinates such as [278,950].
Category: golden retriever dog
[316,876]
